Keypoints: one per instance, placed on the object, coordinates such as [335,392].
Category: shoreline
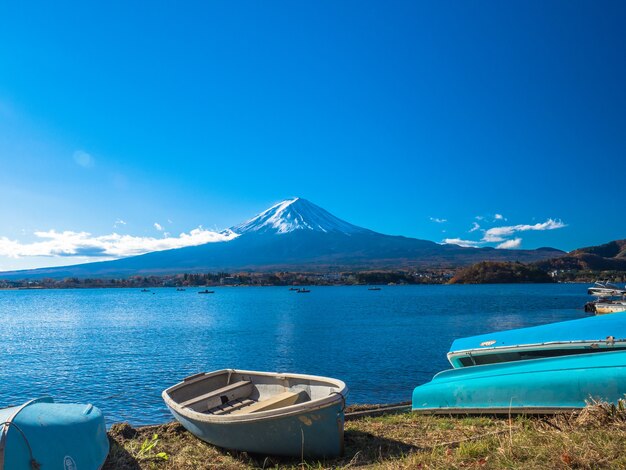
[589,438]
[244,286]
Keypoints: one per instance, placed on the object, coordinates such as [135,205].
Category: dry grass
[592,438]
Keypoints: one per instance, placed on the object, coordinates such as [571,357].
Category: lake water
[119,348]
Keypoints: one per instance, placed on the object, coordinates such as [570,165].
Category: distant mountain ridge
[294,235]
[614,249]
[609,256]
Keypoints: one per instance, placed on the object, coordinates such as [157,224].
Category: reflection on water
[119,348]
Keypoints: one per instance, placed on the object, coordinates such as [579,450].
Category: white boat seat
[221,396]
[277,401]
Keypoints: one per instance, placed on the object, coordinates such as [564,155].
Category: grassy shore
[591,438]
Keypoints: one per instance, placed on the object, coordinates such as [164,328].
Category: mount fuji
[293,235]
[296,214]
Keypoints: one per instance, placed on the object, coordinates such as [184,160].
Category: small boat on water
[145,290]
[293,288]
[179,289]
[606,289]
[611,299]
[303,291]
[541,386]
[582,336]
[373,288]
[206,291]
[47,435]
[614,306]
[262,412]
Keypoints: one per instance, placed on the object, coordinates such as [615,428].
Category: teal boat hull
[55,436]
[532,386]
[583,336]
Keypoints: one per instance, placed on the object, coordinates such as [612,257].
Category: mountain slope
[490,272]
[295,235]
[610,256]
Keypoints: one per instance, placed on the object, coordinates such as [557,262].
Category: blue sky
[392,115]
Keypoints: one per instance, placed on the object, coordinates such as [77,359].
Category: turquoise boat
[262,412]
[52,436]
[534,386]
[574,337]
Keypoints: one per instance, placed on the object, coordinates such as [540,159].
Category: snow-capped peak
[296,214]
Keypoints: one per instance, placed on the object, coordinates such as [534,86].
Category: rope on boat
[380,410]
[471,438]
[33,463]
[405,406]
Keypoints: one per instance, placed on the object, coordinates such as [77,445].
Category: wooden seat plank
[221,396]
[277,401]
[231,406]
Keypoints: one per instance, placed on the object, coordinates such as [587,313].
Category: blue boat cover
[596,328]
[52,436]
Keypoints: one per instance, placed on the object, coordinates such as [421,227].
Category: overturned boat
[573,337]
[47,435]
[262,412]
[547,385]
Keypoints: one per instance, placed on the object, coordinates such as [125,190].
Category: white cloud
[479,217]
[119,222]
[158,226]
[510,244]
[68,243]
[461,242]
[438,221]
[498,234]
[84,159]
[498,217]
[492,238]
[502,235]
